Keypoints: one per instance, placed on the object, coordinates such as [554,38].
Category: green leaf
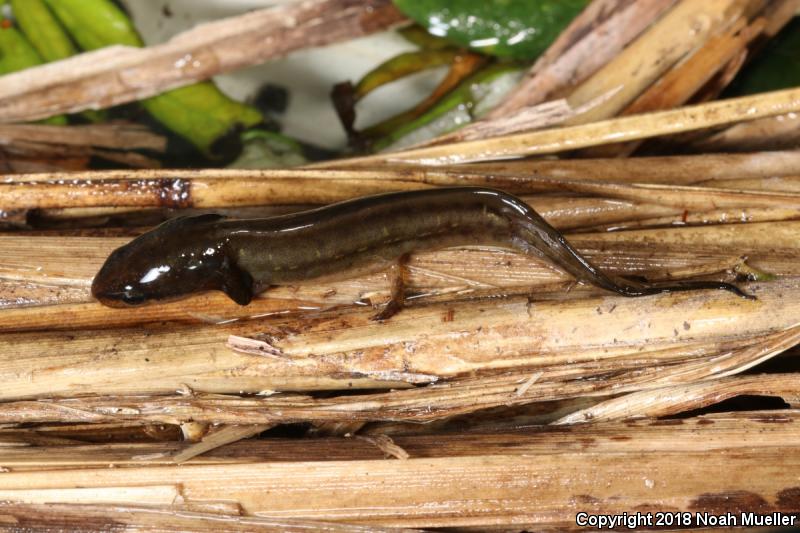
[519,29]
[402,65]
[50,39]
[16,53]
[419,36]
[95,23]
[42,29]
[200,113]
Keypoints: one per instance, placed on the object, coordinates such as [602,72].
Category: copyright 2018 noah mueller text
[682,519]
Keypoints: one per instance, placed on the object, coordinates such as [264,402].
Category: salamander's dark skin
[244,257]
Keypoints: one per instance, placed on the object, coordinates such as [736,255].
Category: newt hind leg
[398,275]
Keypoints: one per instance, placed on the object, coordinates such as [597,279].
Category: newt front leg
[398,275]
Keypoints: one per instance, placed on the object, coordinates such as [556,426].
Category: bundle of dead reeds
[504,396]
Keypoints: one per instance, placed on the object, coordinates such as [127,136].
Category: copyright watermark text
[682,519]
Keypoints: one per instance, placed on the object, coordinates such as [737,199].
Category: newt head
[177,258]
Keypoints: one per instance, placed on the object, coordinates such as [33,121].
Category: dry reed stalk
[497,420]
[714,88]
[681,398]
[574,212]
[236,188]
[686,79]
[464,344]
[100,221]
[220,437]
[775,184]
[708,71]
[44,151]
[28,165]
[96,434]
[775,15]
[202,188]
[436,402]
[564,212]
[88,434]
[694,218]
[691,465]
[779,132]
[630,128]
[693,198]
[678,85]
[118,136]
[119,74]
[171,518]
[646,435]
[596,36]
[784,11]
[344,349]
[14,438]
[668,170]
[653,54]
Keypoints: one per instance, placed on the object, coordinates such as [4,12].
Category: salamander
[245,257]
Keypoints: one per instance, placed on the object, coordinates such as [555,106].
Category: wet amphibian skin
[244,257]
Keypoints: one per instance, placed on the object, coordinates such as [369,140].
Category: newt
[243,257]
